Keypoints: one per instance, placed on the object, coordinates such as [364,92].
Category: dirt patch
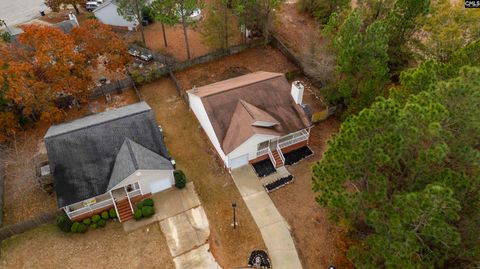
[315,236]
[256,59]
[109,247]
[190,147]
[300,31]
[23,198]
[176,41]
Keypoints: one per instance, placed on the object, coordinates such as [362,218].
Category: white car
[91,6]
[194,15]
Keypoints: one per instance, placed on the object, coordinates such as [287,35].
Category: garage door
[160,185]
[239,161]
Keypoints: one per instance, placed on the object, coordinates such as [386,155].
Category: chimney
[297,92]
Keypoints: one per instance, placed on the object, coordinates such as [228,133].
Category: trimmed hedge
[180,179]
[63,222]
[148,202]
[139,205]
[93,226]
[102,223]
[137,214]
[112,213]
[105,215]
[82,228]
[86,221]
[148,211]
[74,227]
[95,218]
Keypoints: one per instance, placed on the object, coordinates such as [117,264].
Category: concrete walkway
[273,227]
[185,226]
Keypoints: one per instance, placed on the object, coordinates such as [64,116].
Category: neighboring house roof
[104,4]
[82,153]
[132,157]
[234,105]
[66,26]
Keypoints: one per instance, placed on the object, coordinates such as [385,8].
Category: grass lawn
[189,146]
[110,247]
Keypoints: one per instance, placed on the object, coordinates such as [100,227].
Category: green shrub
[95,218]
[86,221]
[105,215]
[63,222]
[93,226]
[137,214]
[180,179]
[148,202]
[102,223]
[74,227]
[139,205]
[112,213]
[82,228]
[148,211]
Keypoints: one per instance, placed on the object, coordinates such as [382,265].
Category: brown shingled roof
[233,105]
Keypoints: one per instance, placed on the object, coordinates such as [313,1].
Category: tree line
[402,176]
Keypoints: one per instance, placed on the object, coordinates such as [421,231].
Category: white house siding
[109,15]
[199,110]
[249,147]
[145,178]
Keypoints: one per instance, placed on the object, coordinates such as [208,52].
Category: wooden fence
[115,86]
[21,227]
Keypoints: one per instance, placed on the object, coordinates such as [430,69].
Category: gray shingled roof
[133,157]
[82,152]
[66,26]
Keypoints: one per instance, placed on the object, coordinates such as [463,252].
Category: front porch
[122,199]
[275,149]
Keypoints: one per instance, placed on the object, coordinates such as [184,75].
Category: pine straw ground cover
[319,242]
[109,247]
[189,146]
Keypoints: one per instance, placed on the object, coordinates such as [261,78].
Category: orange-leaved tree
[40,69]
[46,64]
[100,45]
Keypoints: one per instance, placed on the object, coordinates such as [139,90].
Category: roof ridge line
[243,102]
[243,85]
[95,124]
[132,155]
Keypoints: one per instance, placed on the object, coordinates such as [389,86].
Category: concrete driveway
[185,226]
[20,11]
[273,227]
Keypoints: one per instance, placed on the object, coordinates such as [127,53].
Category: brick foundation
[134,200]
[284,151]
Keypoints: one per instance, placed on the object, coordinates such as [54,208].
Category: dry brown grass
[256,59]
[109,247]
[189,146]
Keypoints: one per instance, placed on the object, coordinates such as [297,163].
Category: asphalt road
[20,11]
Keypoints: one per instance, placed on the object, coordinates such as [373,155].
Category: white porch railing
[262,152]
[302,137]
[90,208]
[279,151]
[297,137]
[134,193]
[271,157]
